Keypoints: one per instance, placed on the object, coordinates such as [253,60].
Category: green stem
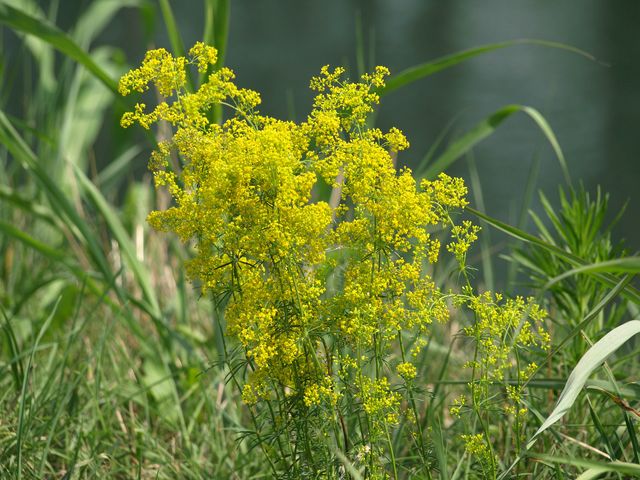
[414,408]
[391,453]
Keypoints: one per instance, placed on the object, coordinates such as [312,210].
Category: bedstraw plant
[326,306]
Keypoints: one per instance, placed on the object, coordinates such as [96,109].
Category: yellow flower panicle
[407,370]
[291,271]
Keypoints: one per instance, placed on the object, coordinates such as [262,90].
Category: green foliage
[112,365]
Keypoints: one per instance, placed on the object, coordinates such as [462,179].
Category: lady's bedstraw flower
[406,370]
[319,300]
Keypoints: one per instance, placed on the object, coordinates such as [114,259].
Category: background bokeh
[592,106]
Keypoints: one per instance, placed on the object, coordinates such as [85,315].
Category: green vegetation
[244,347]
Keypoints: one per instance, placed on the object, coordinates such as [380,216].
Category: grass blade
[172,28]
[619,265]
[629,292]
[25,383]
[22,22]
[592,359]
[423,70]
[485,235]
[221,33]
[223,13]
[119,233]
[486,128]
[59,199]
[619,467]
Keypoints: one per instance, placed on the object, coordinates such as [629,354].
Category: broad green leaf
[423,70]
[25,23]
[486,128]
[592,359]
[619,265]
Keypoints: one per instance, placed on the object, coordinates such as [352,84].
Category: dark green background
[592,106]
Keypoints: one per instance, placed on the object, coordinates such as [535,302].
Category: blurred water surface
[592,106]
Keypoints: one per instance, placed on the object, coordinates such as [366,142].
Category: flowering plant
[330,303]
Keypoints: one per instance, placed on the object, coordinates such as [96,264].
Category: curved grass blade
[592,359]
[426,69]
[619,265]
[22,22]
[486,128]
[16,145]
[622,284]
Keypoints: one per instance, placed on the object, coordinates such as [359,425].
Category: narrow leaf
[592,359]
[25,23]
[486,128]
[619,467]
[423,70]
[172,28]
[629,292]
[619,265]
[119,233]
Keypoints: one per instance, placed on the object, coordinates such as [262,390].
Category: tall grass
[111,363]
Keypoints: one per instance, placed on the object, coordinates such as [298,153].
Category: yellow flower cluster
[406,370]
[458,405]
[316,296]
[464,235]
[316,393]
[379,401]
[243,197]
[476,446]
[501,328]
